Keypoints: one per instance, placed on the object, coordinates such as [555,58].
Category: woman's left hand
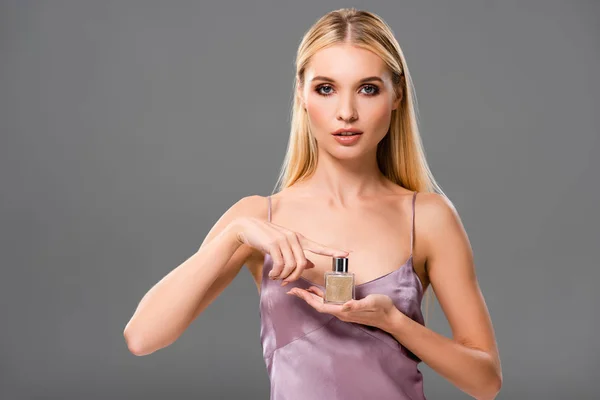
[374,309]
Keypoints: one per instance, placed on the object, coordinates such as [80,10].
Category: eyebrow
[327,79]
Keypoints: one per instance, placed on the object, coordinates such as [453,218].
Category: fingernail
[284,283]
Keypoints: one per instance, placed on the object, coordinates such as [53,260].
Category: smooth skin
[346,205]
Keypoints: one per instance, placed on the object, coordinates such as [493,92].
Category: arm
[470,360]
[171,305]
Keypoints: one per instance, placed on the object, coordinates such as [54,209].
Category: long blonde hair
[400,154]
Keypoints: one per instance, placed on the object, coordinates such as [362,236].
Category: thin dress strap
[412,228]
[269,216]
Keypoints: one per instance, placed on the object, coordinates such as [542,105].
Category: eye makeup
[374,91]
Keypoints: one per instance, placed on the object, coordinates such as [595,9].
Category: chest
[378,239]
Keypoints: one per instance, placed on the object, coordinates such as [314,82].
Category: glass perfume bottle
[339,283]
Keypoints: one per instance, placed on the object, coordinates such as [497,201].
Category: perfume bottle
[339,283]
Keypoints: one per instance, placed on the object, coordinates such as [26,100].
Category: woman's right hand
[285,247]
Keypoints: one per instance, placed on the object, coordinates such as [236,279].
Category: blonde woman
[355,183]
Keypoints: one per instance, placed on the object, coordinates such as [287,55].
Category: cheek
[319,114]
[379,116]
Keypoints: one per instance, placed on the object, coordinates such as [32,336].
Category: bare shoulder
[439,224]
[435,208]
[252,206]
[247,206]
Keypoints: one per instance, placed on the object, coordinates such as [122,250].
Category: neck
[341,180]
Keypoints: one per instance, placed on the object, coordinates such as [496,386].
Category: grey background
[129,127]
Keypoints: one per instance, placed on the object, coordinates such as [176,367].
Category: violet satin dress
[316,356]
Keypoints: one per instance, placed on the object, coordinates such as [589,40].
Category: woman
[347,196]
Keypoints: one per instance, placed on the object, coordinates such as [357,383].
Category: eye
[374,90]
[318,90]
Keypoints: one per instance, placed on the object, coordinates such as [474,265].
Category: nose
[346,109]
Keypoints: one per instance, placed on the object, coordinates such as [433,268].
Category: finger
[317,302]
[316,291]
[289,258]
[296,245]
[317,248]
[311,299]
[301,261]
[367,303]
[277,258]
[364,304]
[352,305]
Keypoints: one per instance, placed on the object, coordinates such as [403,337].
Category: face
[336,95]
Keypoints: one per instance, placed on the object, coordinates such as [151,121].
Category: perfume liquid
[339,283]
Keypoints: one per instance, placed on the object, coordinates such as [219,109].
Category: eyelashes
[373,92]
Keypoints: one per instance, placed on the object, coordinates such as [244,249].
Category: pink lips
[347,140]
[351,129]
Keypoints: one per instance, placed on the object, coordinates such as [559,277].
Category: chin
[347,152]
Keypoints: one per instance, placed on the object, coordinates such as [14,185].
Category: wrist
[394,320]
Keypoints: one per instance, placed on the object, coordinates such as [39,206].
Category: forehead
[346,63]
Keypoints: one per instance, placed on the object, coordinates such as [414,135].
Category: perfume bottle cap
[339,264]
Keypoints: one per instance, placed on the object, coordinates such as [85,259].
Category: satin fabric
[312,355]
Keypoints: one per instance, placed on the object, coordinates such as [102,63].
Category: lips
[341,130]
[347,140]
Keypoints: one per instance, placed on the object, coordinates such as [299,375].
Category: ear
[397,101]
[400,96]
